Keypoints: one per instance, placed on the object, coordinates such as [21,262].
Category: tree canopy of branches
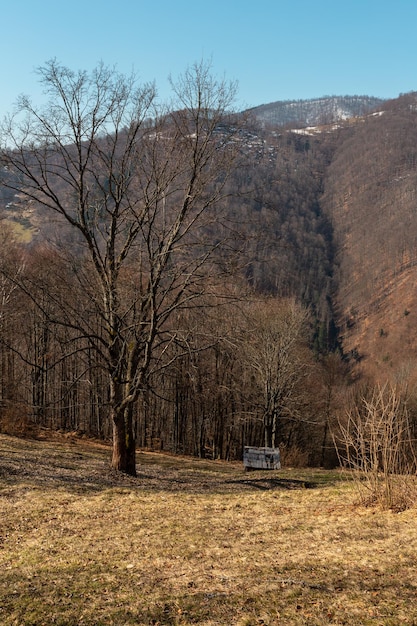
[135,192]
[274,347]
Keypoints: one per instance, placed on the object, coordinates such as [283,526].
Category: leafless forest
[192,280]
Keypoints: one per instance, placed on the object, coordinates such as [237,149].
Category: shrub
[376,444]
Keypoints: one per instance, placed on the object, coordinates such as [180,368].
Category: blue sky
[275,49]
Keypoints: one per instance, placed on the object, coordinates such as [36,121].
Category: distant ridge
[326,110]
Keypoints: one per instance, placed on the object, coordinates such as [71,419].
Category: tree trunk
[124,443]
[268,431]
[324,443]
[270,428]
[274,430]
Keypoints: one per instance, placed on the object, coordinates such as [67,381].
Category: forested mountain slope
[327,215]
[336,209]
[371,199]
[289,239]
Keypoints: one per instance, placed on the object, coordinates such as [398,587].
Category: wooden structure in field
[261,458]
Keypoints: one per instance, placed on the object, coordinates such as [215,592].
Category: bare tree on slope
[138,190]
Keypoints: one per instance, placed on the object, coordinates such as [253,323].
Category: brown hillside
[371,195]
[329,216]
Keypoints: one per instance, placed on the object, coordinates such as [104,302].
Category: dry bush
[14,420]
[376,443]
[293,456]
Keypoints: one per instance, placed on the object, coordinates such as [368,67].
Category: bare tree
[135,192]
[274,347]
[333,378]
[11,263]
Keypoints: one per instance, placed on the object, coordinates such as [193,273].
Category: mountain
[331,218]
[326,110]
[370,195]
[339,209]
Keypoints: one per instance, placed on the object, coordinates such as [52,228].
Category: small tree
[135,192]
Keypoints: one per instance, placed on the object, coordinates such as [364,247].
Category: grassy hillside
[192,542]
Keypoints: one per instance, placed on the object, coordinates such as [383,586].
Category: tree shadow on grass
[267,484]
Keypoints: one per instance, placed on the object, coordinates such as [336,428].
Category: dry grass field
[193,542]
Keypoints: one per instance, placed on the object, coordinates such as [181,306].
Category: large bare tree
[135,192]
